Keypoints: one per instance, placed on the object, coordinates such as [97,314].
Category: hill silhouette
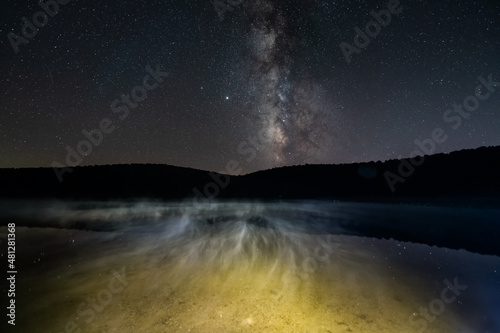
[473,173]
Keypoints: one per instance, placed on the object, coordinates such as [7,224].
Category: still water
[238,267]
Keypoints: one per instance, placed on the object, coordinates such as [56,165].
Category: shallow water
[239,267]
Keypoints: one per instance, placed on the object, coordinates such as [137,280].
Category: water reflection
[239,267]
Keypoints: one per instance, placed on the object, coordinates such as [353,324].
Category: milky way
[291,107]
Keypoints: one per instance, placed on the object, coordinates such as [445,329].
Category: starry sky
[264,83]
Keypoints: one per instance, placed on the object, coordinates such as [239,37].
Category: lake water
[239,267]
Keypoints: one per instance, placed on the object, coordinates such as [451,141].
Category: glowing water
[237,267]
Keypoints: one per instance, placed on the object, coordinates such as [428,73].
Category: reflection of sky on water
[296,247]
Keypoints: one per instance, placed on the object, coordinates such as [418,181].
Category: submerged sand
[237,268]
[353,290]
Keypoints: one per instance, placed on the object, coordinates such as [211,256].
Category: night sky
[266,83]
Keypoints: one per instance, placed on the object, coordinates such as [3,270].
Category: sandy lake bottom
[234,269]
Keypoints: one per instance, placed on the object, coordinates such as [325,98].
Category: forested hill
[463,173]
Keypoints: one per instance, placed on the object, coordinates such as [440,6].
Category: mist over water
[239,267]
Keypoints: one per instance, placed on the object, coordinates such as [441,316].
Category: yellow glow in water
[265,288]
